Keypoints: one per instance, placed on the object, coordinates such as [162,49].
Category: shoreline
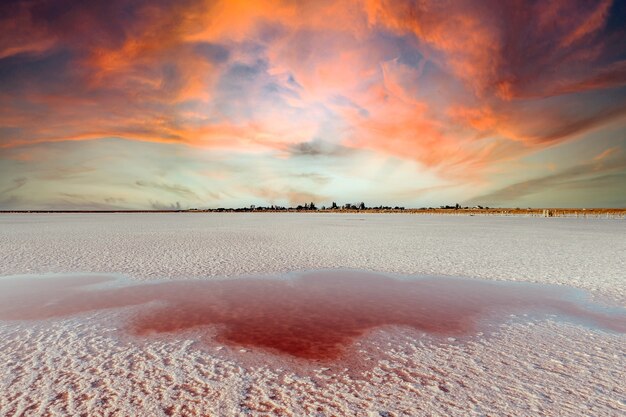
[619,213]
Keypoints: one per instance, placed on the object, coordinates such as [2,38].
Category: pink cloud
[455,87]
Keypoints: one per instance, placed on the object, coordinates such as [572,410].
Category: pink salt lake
[310,315]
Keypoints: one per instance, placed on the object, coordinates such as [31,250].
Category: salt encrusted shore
[79,366]
[585,253]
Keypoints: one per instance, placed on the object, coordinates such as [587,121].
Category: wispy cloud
[176,189]
[601,171]
[157,205]
[317,148]
[15,184]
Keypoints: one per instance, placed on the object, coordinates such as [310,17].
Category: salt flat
[586,253]
[78,365]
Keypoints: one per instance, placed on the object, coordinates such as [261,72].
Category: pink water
[313,315]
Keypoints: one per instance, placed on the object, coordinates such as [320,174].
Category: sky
[153,104]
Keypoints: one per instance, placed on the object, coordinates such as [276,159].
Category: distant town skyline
[111,105]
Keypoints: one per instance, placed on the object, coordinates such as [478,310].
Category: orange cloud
[607,153]
[454,87]
[500,48]
[589,24]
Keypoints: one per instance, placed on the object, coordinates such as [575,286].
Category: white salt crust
[82,366]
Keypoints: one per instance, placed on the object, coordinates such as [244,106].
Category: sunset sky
[162,104]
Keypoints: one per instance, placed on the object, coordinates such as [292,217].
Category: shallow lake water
[310,315]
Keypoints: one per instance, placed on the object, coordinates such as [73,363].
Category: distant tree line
[457,206]
[335,207]
[307,207]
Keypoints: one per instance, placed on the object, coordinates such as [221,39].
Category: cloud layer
[459,93]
